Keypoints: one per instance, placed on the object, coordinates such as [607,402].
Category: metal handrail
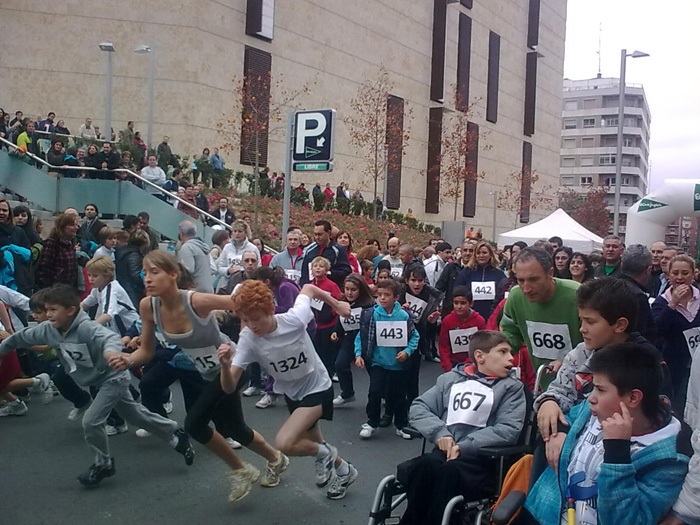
[53,133]
[139,177]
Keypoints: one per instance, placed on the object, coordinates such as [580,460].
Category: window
[260,19]
[568,162]
[588,142]
[530,93]
[630,122]
[586,161]
[569,143]
[570,105]
[628,142]
[257,65]
[608,160]
[464,51]
[570,123]
[533,23]
[586,181]
[610,121]
[492,79]
[472,165]
[589,103]
[589,123]
[437,61]
[567,181]
[626,181]
[609,181]
[627,161]
[526,183]
[432,180]
[394,141]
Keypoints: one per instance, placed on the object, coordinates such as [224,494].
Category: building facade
[503,56]
[589,140]
[683,233]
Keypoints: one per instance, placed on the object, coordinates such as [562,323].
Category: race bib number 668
[549,341]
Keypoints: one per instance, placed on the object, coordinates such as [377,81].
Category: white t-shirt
[103,251]
[287,353]
[113,300]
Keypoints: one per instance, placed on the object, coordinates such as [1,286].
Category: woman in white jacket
[229,262]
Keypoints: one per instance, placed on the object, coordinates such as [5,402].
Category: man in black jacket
[222,212]
[107,160]
[636,265]
[447,279]
[92,225]
[334,252]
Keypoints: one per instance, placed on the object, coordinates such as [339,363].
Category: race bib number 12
[549,341]
[393,334]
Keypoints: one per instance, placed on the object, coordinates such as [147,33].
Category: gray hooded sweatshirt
[81,349]
[497,406]
[194,255]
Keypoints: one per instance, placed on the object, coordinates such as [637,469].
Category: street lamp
[620,119]
[108,48]
[150,49]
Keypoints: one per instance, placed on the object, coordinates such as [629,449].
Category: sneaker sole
[341,496]
[253,481]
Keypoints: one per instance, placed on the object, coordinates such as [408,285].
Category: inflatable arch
[648,218]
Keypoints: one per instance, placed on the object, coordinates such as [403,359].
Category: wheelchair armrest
[507,508]
[509,450]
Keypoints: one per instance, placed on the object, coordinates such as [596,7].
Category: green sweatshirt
[550,330]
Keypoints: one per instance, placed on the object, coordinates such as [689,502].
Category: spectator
[612,254]
[56,154]
[98,135]
[172,185]
[201,199]
[128,263]
[324,247]
[194,256]
[204,157]
[107,160]
[190,198]
[340,193]
[657,250]
[91,160]
[154,174]
[14,241]
[81,155]
[128,133]
[18,118]
[436,265]
[358,195]
[217,160]
[91,227]
[27,139]
[316,189]
[304,241]
[265,257]
[345,240]
[328,192]
[409,261]
[141,149]
[86,131]
[61,128]
[218,240]
[130,223]
[635,269]
[222,212]
[556,243]
[24,221]
[393,257]
[59,263]
[153,237]
[562,258]
[231,258]
[291,258]
[165,153]
[580,267]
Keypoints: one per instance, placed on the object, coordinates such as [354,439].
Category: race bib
[549,341]
[291,362]
[459,339]
[293,275]
[235,261]
[692,339]
[392,334]
[76,354]
[205,359]
[396,272]
[317,304]
[416,305]
[470,403]
[484,291]
[351,323]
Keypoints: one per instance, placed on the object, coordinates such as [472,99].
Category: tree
[258,114]
[460,140]
[589,209]
[371,126]
[522,194]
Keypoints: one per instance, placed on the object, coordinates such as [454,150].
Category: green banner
[696,198]
[649,204]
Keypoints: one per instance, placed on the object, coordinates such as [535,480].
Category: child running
[282,344]
[185,319]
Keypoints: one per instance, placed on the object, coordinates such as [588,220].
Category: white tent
[558,223]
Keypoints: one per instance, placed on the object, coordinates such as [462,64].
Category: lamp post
[620,120]
[108,48]
[150,49]
[495,207]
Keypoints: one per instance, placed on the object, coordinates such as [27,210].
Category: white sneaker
[335,378]
[14,408]
[271,478]
[242,481]
[266,401]
[325,467]
[402,434]
[54,390]
[143,433]
[233,443]
[113,431]
[169,405]
[251,391]
[339,401]
[340,484]
[367,430]
[76,413]
[43,388]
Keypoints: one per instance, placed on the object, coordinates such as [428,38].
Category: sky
[670,33]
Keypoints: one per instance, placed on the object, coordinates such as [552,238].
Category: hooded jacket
[366,339]
[80,350]
[194,255]
[453,322]
[428,413]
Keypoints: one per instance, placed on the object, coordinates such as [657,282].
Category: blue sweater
[366,339]
[638,492]
[670,326]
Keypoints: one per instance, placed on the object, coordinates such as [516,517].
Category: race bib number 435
[470,403]
[392,334]
[351,323]
[549,341]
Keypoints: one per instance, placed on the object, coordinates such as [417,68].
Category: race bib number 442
[549,341]
[392,334]
[470,403]
[484,291]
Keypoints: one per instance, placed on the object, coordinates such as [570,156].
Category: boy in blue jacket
[618,463]
[384,343]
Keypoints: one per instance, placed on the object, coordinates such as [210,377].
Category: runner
[186,320]
[281,343]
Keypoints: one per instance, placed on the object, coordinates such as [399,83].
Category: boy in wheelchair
[474,406]
[616,459]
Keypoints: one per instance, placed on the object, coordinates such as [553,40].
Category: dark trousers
[431,481]
[69,389]
[225,410]
[412,390]
[326,349]
[391,383]
[343,367]
[255,375]
[160,376]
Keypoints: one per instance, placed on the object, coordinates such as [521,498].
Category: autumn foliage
[589,209]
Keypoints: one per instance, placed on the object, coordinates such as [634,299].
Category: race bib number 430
[392,334]
[549,341]
[470,404]
[459,339]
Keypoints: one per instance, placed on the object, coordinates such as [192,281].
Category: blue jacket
[670,326]
[480,274]
[628,493]
[366,339]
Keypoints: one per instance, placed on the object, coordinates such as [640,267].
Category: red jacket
[522,358]
[326,317]
[453,322]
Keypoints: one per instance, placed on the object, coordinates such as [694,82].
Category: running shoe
[142,433]
[385,421]
[339,401]
[251,391]
[97,473]
[76,413]
[242,481]
[233,443]
[113,431]
[14,408]
[335,378]
[184,446]
[43,388]
[266,401]
[168,407]
[367,430]
[325,467]
[402,434]
[271,478]
[340,484]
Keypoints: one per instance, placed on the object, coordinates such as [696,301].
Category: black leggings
[223,409]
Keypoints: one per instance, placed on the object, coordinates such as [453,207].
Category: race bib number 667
[470,403]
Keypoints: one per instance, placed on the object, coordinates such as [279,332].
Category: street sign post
[309,149]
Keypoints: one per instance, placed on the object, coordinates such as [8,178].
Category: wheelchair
[391,494]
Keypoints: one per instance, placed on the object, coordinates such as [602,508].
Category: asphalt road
[42,453]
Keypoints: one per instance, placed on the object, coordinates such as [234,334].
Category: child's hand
[135,343]
[125,340]
[552,449]
[406,307]
[554,366]
[343,309]
[359,362]
[453,453]
[618,426]
[432,318]
[117,361]
[225,354]
[334,336]
[4,335]
[547,417]
[401,356]
[445,443]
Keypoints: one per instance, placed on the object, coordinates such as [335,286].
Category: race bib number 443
[549,341]
[392,334]
[470,403]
